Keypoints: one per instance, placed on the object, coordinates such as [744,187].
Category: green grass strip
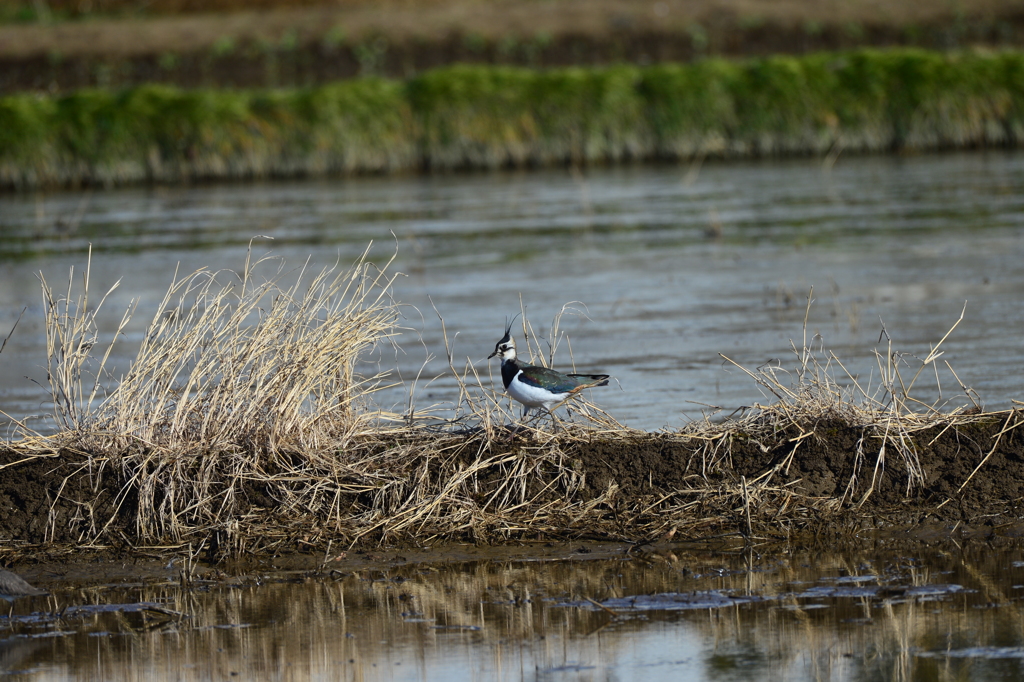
[487,116]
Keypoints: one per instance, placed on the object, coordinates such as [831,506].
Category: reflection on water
[867,615]
[674,268]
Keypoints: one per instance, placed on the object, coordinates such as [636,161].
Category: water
[883,613]
[675,266]
[672,266]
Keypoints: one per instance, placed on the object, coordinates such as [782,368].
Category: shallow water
[674,266]
[930,613]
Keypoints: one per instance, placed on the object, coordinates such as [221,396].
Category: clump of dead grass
[824,392]
[242,422]
[230,361]
[805,403]
[236,373]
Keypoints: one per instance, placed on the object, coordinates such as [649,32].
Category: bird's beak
[492,354]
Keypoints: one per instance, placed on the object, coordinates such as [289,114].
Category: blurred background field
[490,117]
[169,91]
[57,45]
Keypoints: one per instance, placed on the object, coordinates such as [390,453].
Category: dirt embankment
[820,462]
[283,44]
[825,478]
[947,458]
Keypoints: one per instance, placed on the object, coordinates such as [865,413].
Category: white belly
[532,396]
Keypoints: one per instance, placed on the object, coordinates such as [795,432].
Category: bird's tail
[591,380]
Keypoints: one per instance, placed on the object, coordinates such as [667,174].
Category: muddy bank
[61,568]
[255,65]
[809,479]
[822,460]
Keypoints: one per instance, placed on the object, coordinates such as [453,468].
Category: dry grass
[229,360]
[805,403]
[242,425]
[825,391]
[234,375]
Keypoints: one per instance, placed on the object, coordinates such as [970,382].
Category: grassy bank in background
[490,117]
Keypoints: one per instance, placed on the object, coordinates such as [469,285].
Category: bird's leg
[515,429]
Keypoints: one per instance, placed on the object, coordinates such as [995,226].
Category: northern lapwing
[538,386]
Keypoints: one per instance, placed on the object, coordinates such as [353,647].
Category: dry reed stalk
[70,336]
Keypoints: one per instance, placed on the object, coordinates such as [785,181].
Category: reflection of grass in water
[363,614]
[491,116]
[241,425]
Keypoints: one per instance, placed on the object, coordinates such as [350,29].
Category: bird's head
[506,347]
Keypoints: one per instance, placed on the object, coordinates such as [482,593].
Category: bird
[12,587]
[538,387]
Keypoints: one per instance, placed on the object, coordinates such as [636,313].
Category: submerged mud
[825,477]
[494,613]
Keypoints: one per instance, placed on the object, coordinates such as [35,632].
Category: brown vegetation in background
[242,44]
[80,8]
[905,11]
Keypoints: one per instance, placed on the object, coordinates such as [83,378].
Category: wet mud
[844,479]
[820,460]
[51,499]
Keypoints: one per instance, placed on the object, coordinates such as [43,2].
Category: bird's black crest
[508,330]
